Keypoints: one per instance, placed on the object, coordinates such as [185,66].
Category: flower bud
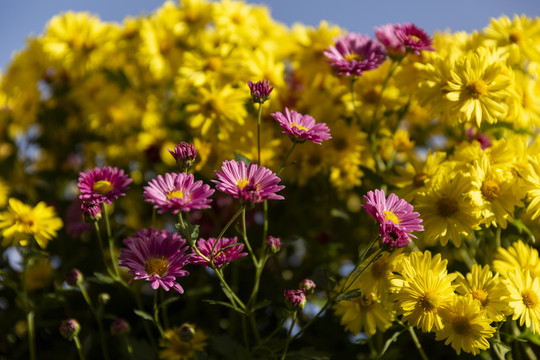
[120,327]
[295,298]
[308,285]
[70,329]
[184,154]
[74,277]
[260,91]
[274,244]
[186,332]
[104,298]
[91,211]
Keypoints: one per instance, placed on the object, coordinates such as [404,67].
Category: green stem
[111,240]
[156,315]
[128,346]
[286,157]
[79,347]
[346,286]
[246,240]
[265,226]
[259,135]
[228,288]
[99,321]
[101,248]
[355,111]
[147,329]
[30,315]
[287,342]
[229,223]
[417,343]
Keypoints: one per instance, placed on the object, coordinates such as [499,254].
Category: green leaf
[349,295]
[143,314]
[195,232]
[104,278]
[168,301]
[242,158]
[338,213]
[223,303]
[522,228]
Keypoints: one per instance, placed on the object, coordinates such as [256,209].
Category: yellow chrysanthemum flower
[518,37]
[20,222]
[174,348]
[533,194]
[447,212]
[423,297]
[488,288]
[479,86]
[525,112]
[466,326]
[524,298]
[377,278]
[363,314]
[518,256]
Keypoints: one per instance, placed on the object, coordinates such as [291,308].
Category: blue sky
[22,18]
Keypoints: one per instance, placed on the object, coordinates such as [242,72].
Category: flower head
[355,53]
[74,277]
[302,127]
[173,347]
[386,34]
[274,244]
[251,183]
[413,38]
[184,154]
[103,185]
[177,192]
[395,216]
[70,328]
[260,91]
[225,251]
[156,256]
[20,222]
[91,211]
[295,298]
[308,285]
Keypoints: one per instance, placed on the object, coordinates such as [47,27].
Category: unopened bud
[295,298]
[186,332]
[70,329]
[91,211]
[184,154]
[260,91]
[74,277]
[274,244]
[309,285]
[120,327]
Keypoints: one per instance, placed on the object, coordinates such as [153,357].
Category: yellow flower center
[419,179]
[415,38]
[365,301]
[480,295]
[353,56]
[379,268]
[428,302]
[515,36]
[477,89]
[388,215]
[447,207]
[461,325]
[530,298]
[490,189]
[102,187]
[242,183]
[214,63]
[175,194]
[157,266]
[26,222]
[299,127]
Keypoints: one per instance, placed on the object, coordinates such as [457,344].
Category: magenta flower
[252,184]
[302,127]
[355,53]
[413,38]
[386,34]
[224,252]
[395,216]
[177,192]
[103,185]
[157,256]
[260,91]
[184,154]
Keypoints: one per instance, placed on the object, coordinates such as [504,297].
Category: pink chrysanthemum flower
[224,252]
[395,216]
[386,34]
[355,53]
[103,185]
[302,127]
[177,192]
[252,184]
[413,38]
[157,256]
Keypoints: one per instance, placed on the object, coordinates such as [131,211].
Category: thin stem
[79,347]
[417,343]
[111,241]
[346,286]
[248,245]
[156,314]
[99,321]
[259,135]
[355,112]
[27,306]
[286,157]
[287,342]
[226,285]
[101,248]
[265,226]
[145,323]
[229,223]
[128,346]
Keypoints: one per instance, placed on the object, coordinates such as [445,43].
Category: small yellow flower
[519,256]
[20,222]
[525,298]
[175,348]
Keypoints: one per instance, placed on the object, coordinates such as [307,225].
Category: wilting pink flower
[413,38]
[157,256]
[260,91]
[177,192]
[103,185]
[302,127]
[295,298]
[252,184]
[184,154]
[225,251]
[386,34]
[355,53]
[395,216]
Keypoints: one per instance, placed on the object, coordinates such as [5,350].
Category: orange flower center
[490,189]
[480,295]
[530,298]
[447,207]
[477,89]
[419,179]
[428,302]
[157,266]
[461,325]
